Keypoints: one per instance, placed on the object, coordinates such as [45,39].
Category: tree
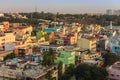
[110,58]
[46,60]
[60,70]
[49,57]
[39,34]
[119,42]
[49,76]
[9,56]
[90,72]
[33,33]
[69,72]
[46,37]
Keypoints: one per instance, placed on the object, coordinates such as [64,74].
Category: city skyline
[61,6]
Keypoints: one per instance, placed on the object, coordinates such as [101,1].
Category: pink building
[114,71]
[68,39]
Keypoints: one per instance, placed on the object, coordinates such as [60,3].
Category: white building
[7,37]
[1,15]
[114,71]
[112,12]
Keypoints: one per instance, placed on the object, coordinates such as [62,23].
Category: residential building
[55,48]
[111,12]
[87,43]
[2,40]
[70,39]
[1,14]
[90,56]
[22,30]
[23,34]
[66,57]
[48,30]
[103,44]
[4,53]
[86,55]
[7,37]
[9,46]
[6,25]
[51,37]
[59,41]
[14,69]
[23,51]
[1,27]
[98,62]
[115,49]
[114,71]
[15,25]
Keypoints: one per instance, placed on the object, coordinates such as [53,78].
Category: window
[43,49]
[112,74]
[117,75]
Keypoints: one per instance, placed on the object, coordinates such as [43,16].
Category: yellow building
[87,55]
[27,29]
[78,28]
[70,39]
[8,37]
[23,32]
[2,40]
[90,56]
[87,43]
[1,27]
[73,39]
[59,41]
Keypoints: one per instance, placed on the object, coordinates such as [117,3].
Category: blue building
[115,49]
[114,41]
[34,58]
[48,30]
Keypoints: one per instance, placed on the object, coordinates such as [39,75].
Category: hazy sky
[62,6]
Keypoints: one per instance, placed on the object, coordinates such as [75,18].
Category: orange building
[51,36]
[6,25]
[23,51]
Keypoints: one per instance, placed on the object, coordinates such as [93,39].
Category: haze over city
[62,6]
[59,40]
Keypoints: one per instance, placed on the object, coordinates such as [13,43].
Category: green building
[66,57]
[39,34]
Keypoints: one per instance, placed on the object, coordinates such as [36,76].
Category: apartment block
[87,43]
[7,37]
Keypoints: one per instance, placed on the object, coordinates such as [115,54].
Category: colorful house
[70,39]
[115,49]
[66,57]
[114,71]
[39,34]
[87,43]
[48,30]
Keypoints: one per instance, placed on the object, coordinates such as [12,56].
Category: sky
[61,6]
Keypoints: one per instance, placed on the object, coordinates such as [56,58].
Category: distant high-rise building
[118,12]
[112,12]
